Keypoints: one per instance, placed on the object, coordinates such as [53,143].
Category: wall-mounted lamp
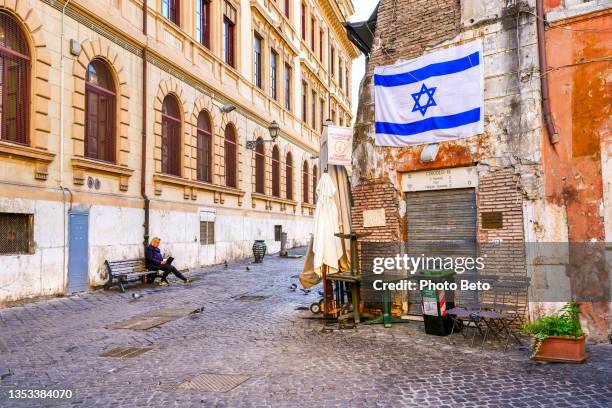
[429,153]
[273,129]
[227,108]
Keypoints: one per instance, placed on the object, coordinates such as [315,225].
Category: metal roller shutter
[440,223]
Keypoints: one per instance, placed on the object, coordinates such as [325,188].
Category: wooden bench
[124,271]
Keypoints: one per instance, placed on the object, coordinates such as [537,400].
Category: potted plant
[558,338]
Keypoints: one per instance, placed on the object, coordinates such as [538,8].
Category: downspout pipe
[553,136]
[143,165]
[61,161]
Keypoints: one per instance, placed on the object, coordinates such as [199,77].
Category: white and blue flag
[433,98]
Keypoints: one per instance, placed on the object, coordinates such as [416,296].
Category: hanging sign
[339,145]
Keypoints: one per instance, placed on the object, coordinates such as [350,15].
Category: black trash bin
[435,302]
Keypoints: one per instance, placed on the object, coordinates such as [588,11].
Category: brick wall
[404,28]
[499,192]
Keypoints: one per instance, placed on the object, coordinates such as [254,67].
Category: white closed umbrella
[327,247]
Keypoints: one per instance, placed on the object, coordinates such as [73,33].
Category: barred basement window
[207,232]
[16,233]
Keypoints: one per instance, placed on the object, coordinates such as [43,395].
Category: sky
[363,10]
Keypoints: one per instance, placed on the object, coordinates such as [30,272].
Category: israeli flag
[433,98]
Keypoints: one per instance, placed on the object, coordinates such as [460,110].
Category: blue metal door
[78,251]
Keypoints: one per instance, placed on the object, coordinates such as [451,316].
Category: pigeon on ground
[292,287]
[306,291]
[248,269]
[136,295]
[321,293]
[225,264]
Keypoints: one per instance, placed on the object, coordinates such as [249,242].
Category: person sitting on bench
[156,262]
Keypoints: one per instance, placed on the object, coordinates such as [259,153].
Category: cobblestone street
[289,360]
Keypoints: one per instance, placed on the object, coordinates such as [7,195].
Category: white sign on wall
[339,145]
[443,179]
[374,218]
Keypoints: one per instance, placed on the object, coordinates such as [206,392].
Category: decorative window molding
[106,51]
[40,90]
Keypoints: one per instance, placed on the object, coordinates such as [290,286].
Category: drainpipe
[143,165]
[61,165]
[553,136]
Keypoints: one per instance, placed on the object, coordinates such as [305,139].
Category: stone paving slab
[289,360]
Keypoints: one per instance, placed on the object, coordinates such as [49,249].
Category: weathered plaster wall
[577,169]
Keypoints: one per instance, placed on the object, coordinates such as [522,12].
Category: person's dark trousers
[167,270]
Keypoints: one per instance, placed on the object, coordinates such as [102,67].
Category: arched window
[230,156]
[260,168]
[14,81]
[171,136]
[204,148]
[314,183]
[99,112]
[275,172]
[289,175]
[305,182]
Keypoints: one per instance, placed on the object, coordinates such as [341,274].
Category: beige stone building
[123,120]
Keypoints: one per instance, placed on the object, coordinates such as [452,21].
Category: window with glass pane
[314,183]
[171,137]
[171,10]
[99,112]
[304,101]
[257,61]
[289,176]
[260,168]
[312,33]
[229,34]
[321,35]
[313,110]
[340,75]
[204,148]
[303,17]
[287,8]
[275,171]
[322,113]
[332,60]
[287,86]
[203,22]
[273,70]
[14,81]
[231,152]
[305,182]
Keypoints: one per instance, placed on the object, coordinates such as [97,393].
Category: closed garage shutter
[440,223]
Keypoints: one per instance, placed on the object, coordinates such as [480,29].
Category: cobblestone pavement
[55,344]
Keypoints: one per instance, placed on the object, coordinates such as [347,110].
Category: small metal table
[386,317]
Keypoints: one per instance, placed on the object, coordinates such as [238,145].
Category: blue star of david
[417,99]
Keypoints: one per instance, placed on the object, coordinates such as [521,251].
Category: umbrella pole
[325,302]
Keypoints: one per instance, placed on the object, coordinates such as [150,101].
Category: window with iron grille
[16,233]
[204,148]
[99,112]
[203,22]
[257,60]
[273,68]
[171,139]
[278,229]
[289,176]
[314,183]
[287,87]
[207,232]
[171,10]
[14,81]
[260,168]
[275,172]
[230,156]
[229,34]
[305,182]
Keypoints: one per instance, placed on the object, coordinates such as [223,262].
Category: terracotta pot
[562,349]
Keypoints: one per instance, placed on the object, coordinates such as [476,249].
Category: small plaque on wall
[374,218]
[492,220]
